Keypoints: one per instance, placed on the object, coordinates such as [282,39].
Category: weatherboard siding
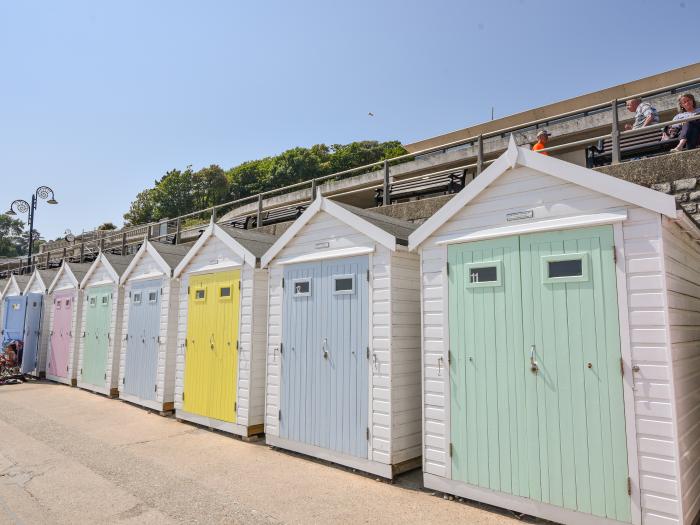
[681,256]
[214,256]
[523,188]
[394,382]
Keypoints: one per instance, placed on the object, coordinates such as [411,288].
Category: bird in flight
[370,114]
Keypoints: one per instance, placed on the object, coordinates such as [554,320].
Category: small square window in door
[482,274]
[301,287]
[343,284]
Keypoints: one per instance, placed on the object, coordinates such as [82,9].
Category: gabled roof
[75,271]
[385,230]
[584,177]
[45,277]
[20,281]
[167,256]
[249,245]
[116,265]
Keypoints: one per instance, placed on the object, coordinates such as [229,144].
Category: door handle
[211,341]
[534,367]
[325,350]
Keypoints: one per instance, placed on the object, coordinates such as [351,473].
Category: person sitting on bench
[688,132]
[644,113]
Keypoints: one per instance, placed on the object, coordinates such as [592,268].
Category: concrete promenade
[69,456]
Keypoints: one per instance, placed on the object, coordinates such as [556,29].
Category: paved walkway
[69,456]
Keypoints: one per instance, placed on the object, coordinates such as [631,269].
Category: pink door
[61,336]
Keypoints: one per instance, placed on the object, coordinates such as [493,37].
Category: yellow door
[211,359]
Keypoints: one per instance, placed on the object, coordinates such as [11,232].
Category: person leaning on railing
[688,133]
[542,138]
[644,113]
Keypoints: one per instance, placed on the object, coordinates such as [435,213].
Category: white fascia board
[454,205]
[35,275]
[193,251]
[65,267]
[686,224]
[146,249]
[600,182]
[328,254]
[234,245]
[560,223]
[358,223]
[289,234]
[101,259]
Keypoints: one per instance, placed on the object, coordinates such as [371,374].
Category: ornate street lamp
[22,206]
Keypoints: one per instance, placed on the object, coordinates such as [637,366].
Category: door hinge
[367,433]
[183,395]
[614,254]
[188,290]
[105,375]
[368,275]
[235,407]
[629,486]
[155,388]
[81,371]
[161,291]
[124,380]
[450,449]
[185,343]
[279,415]
[449,357]
[447,267]
[239,285]
[622,366]
[237,345]
[282,282]
[129,295]
[368,352]
[281,349]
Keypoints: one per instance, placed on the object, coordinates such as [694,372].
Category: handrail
[134,235]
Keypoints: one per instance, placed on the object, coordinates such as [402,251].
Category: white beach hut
[37,288]
[220,380]
[101,324]
[561,349]
[343,356]
[151,295]
[65,314]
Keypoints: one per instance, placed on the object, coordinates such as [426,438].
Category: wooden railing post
[386,198]
[123,243]
[213,214]
[82,252]
[615,134]
[258,221]
[313,190]
[479,154]
[178,229]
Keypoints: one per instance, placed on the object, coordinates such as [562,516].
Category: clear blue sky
[98,99]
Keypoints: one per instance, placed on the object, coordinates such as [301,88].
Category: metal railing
[88,244]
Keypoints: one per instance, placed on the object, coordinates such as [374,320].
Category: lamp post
[22,206]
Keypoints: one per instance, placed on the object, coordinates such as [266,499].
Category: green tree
[182,192]
[107,226]
[10,236]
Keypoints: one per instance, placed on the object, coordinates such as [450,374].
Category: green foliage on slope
[181,192]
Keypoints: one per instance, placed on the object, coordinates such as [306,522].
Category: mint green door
[536,390]
[97,335]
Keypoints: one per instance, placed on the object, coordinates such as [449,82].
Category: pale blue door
[32,331]
[13,322]
[324,391]
[141,363]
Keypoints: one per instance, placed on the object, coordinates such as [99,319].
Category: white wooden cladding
[213,256]
[681,256]
[62,285]
[147,268]
[101,276]
[655,439]
[394,326]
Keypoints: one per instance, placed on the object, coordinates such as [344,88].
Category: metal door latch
[534,367]
[325,350]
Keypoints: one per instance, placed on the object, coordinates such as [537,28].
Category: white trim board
[516,503]
[328,254]
[584,177]
[363,464]
[214,230]
[216,424]
[563,223]
[323,204]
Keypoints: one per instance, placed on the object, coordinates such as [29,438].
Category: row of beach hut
[534,345]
